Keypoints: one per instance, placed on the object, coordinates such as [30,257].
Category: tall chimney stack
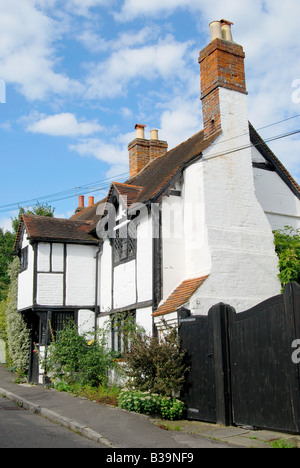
[222,67]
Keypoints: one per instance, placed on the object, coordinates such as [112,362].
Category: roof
[179,296]
[150,183]
[45,228]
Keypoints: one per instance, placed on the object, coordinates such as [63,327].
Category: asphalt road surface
[20,428]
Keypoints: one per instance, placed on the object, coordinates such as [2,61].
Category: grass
[280,443]
[103,395]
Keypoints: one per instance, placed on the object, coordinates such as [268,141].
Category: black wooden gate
[242,372]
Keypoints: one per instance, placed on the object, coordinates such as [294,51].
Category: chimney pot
[226,30]
[154,134]
[81,201]
[140,131]
[91,201]
[215,30]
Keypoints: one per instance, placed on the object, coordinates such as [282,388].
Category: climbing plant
[287,246]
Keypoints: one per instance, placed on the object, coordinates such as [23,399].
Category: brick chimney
[143,151]
[222,67]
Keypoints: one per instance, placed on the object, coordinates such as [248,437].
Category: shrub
[287,246]
[71,358]
[156,365]
[17,333]
[149,403]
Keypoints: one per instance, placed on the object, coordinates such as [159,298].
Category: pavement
[115,428]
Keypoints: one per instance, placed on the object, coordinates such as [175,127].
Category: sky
[77,75]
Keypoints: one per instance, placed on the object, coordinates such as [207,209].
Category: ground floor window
[59,319]
[121,325]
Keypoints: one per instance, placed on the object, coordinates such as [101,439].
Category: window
[124,243]
[121,325]
[24,259]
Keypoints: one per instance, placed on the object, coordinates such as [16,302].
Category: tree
[7,240]
[17,333]
[38,209]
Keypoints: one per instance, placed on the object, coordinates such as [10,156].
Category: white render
[244,265]
[50,289]
[80,275]
[281,206]
[25,279]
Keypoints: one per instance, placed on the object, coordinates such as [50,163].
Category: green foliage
[287,246]
[156,365]
[16,333]
[151,403]
[7,240]
[38,209]
[71,358]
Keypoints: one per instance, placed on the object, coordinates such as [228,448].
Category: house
[192,226]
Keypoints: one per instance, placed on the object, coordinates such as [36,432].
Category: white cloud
[64,124]
[165,60]
[134,8]
[27,53]
[181,120]
[111,153]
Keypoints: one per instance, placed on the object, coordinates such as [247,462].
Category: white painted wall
[124,285]
[25,279]
[86,323]
[281,206]
[105,278]
[144,318]
[238,250]
[50,289]
[173,243]
[144,260]
[43,257]
[80,275]
[57,257]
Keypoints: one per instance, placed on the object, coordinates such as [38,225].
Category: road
[20,428]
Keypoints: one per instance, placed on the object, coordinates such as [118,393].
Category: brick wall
[222,65]
[142,151]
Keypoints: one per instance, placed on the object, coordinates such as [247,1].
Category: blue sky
[79,74]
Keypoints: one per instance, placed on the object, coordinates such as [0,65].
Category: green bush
[17,333]
[156,365]
[71,358]
[149,403]
[287,246]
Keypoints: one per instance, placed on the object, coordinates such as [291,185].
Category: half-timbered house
[192,226]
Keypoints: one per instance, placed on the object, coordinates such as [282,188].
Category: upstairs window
[124,243]
[24,259]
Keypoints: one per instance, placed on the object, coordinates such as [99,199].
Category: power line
[65,194]
[94,187]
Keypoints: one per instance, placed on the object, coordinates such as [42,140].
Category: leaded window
[124,243]
[121,325]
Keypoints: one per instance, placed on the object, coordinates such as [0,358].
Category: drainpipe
[97,275]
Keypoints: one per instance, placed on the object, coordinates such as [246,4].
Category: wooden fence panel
[242,371]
